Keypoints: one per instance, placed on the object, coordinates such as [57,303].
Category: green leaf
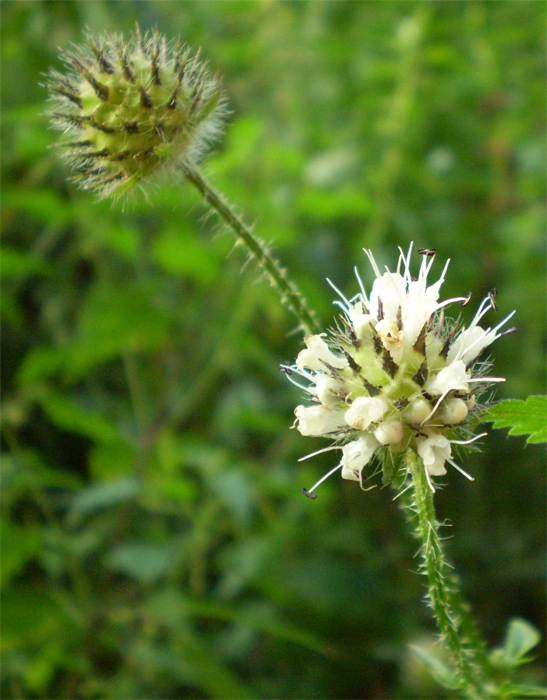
[99,496]
[521,636]
[438,669]
[19,546]
[143,561]
[525,691]
[523,417]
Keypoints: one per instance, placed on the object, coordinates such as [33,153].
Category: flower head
[395,374]
[129,108]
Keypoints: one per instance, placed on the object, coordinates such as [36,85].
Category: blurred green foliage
[154,540]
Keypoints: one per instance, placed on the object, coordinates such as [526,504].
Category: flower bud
[130,108]
[390,432]
[418,411]
[452,412]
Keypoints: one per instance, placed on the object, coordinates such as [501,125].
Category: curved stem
[457,628]
[287,290]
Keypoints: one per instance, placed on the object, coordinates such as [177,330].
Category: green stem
[458,629]
[257,249]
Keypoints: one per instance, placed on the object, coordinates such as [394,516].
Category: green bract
[130,108]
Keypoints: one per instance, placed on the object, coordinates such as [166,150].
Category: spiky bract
[129,108]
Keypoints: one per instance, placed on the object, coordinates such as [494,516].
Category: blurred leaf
[438,668]
[520,638]
[143,561]
[30,616]
[523,417]
[99,496]
[68,414]
[259,617]
[19,547]
[15,263]
[520,690]
[111,459]
[179,251]
[115,320]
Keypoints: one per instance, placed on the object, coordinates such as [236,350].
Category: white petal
[434,451]
[364,411]
[356,454]
[453,377]
[317,354]
[315,421]
[327,390]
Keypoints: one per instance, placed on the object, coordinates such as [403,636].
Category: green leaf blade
[522,417]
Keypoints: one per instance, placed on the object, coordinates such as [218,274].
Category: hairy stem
[457,628]
[257,249]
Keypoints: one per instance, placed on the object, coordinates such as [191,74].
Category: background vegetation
[155,543]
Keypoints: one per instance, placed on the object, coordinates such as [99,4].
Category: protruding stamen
[467,476]
[311,493]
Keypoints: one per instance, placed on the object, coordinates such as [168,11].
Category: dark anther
[146,100]
[467,299]
[507,332]
[491,296]
[285,369]
[309,494]
[401,403]
[427,252]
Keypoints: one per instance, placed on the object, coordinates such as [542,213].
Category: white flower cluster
[395,373]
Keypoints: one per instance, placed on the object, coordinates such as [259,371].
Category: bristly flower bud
[130,108]
[395,375]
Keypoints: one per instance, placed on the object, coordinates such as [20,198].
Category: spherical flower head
[396,374]
[129,108]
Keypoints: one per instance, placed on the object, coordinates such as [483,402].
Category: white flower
[451,378]
[318,355]
[394,376]
[434,451]
[357,454]
[315,421]
[364,411]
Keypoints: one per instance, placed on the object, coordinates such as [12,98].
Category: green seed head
[129,109]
